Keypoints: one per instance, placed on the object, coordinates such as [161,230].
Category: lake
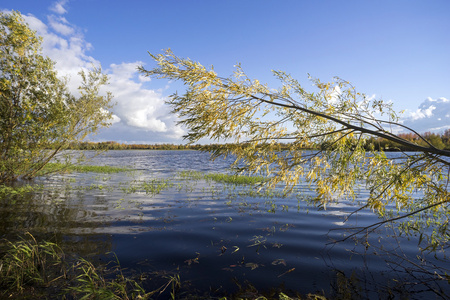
[167,218]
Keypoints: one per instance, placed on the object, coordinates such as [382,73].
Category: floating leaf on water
[279,261]
[288,271]
[227,269]
[193,260]
[252,265]
[277,245]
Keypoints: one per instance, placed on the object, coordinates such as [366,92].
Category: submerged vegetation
[152,187]
[223,178]
[39,270]
[59,167]
[58,269]
[32,269]
[236,179]
[6,190]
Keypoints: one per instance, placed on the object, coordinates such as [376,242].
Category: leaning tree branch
[387,136]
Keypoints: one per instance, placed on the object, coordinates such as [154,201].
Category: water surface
[209,233]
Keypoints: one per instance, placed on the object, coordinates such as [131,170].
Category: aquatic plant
[27,263]
[6,190]
[235,179]
[41,268]
[192,175]
[152,187]
[92,284]
[222,177]
[54,167]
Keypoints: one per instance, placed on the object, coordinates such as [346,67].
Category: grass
[28,267]
[151,187]
[235,179]
[91,284]
[223,178]
[33,270]
[55,167]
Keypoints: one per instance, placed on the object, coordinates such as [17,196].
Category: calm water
[210,233]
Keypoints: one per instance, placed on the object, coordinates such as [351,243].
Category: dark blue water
[213,234]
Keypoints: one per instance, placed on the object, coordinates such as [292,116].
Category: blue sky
[398,51]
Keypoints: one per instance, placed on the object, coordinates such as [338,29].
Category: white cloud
[143,78]
[136,105]
[333,95]
[68,51]
[115,119]
[58,7]
[140,112]
[432,115]
[60,25]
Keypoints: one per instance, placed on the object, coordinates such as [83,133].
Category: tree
[38,115]
[251,119]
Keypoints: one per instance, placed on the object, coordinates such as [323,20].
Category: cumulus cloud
[65,45]
[58,7]
[140,113]
[60,25]
[136,106]
[432,115]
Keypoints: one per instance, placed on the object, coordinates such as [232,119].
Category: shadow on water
[215,236]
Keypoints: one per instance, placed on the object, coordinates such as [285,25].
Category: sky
[398,51]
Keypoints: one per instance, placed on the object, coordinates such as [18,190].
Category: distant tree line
[440,141]
[111,145]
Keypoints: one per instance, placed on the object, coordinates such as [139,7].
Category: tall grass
[26,263]
[32,270]
[92,284]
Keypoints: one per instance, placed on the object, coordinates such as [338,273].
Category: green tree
[38,115]
[434,139]
[251,119]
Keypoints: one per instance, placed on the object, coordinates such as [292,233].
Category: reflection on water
[209,232]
